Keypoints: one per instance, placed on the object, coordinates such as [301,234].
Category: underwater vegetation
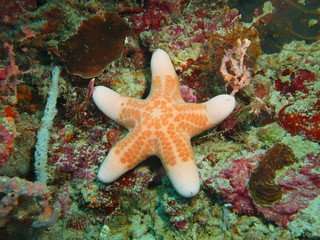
[261,185]
[98,42]
[259,170]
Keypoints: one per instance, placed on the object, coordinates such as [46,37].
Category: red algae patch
[97,43]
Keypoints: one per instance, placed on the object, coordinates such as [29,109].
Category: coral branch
[89,94]
[233,60]
[7,85]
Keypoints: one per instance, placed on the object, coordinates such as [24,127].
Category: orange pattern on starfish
[161,125]
[170,123]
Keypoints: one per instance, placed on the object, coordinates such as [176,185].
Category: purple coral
[78,160]
[237,192]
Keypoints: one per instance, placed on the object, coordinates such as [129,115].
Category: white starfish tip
[161,64]
[110,170]
[219,108]
[185,178]
[108,101]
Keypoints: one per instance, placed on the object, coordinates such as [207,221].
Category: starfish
[161,125]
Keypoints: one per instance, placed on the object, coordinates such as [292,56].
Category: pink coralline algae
[187,94]
[77,156]
[299,188]
[9,76]
[300,119]
[175,210]
[7,135]
[15,190]
[77,161]
[195,26]
[299,81]
[153,18]
[74,164]
[237,192]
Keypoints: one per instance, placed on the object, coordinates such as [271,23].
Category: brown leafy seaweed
[97,43]
[262,188]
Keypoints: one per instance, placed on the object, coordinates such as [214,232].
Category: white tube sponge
[43,136]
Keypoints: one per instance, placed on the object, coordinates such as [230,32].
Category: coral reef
[15,191]
[291,192]
[7,136]
[296,78]
[237,161]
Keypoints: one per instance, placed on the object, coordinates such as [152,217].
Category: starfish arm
[123,110]
[185,178]
[219,108]
[108,101]
[131,113]
[125,155]
[165,82]
[177,157]
[194,119]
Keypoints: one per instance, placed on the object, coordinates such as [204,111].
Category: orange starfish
[161,125]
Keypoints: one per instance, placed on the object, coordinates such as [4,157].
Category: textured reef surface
[259,169]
